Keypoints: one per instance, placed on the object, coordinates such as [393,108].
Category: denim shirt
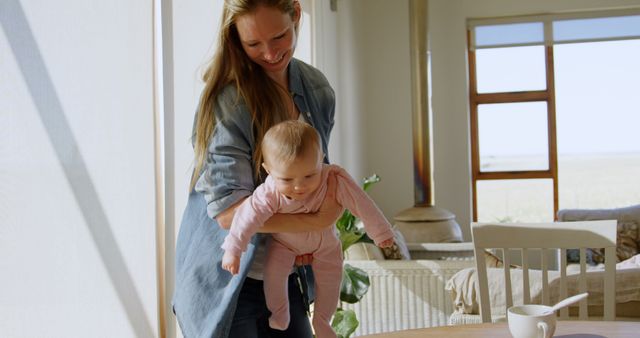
[205,295]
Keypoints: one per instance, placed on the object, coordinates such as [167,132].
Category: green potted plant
[355,281]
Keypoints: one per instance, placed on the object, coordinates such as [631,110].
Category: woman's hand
[326,216]
[305,259]
[225,218]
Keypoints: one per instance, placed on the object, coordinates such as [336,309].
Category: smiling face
[268,37]
[299,178]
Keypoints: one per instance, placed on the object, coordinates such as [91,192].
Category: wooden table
[564,329]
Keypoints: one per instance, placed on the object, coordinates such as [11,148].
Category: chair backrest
[542,237]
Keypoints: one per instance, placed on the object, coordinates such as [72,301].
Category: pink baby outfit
[324,245]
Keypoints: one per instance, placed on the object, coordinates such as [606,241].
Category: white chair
[542,237]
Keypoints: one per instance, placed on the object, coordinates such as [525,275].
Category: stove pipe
[423,223]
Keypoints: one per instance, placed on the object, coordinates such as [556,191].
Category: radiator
[405,294]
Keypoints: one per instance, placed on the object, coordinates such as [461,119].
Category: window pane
[596,28]
[598,181]
[517,33]
[513,136]
[515,200]
[511,69]
[597,122]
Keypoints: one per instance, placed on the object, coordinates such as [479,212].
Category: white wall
[374,92]
[195,28]
[374,98]
[77,226]
[324,32]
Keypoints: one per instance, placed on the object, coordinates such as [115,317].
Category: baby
[297,183]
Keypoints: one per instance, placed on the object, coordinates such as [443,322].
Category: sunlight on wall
[77,245]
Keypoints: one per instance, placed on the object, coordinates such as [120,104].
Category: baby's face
[297,180]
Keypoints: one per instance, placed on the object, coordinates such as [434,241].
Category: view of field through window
[597,121]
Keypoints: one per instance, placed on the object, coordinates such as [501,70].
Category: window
[552,114]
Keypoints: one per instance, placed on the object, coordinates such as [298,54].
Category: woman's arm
[290,222]
[225,217]
[227,177]
[326,216]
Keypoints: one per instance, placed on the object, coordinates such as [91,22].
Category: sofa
[463,284]
[407,293]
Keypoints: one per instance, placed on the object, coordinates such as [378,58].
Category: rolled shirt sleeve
[227,174]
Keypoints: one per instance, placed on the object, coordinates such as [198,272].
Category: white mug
[531,321]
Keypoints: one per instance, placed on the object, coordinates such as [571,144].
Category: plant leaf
[344,323]
[353,237]
[355,284]
[369,181]
[346,222]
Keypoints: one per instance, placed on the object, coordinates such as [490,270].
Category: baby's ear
[264,165]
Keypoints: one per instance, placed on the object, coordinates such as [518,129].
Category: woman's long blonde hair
[231,65]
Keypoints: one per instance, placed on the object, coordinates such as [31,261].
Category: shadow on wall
[45,98]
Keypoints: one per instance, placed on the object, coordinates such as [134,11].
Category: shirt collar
[295,80]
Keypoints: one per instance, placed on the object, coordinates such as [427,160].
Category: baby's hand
[386,243]
[230,262]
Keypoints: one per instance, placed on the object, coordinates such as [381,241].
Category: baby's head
[292,156]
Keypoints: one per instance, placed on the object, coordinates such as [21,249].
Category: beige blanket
[465,293]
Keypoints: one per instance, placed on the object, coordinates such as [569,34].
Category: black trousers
[251,319]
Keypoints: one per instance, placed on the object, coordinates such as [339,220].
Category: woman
[252,83]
